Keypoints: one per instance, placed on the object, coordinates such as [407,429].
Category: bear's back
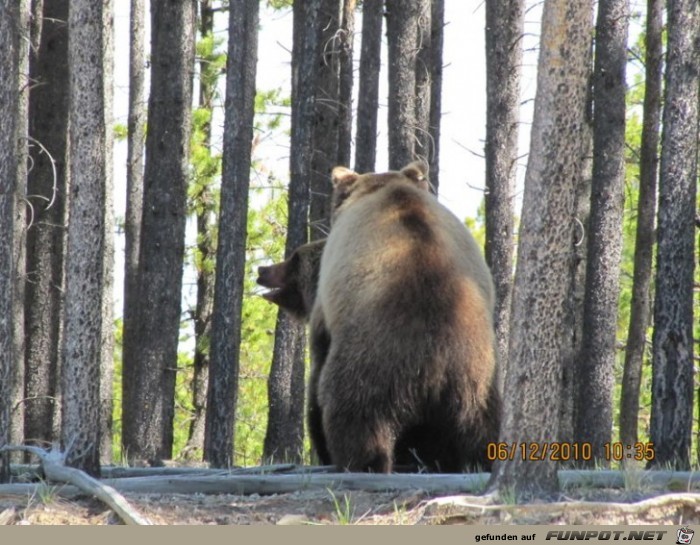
[396,248]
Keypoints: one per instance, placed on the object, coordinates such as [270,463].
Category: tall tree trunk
[22,129]
[9,110]
[107,357]
[423,74]
[285,429]
[533,381]
[230,257]
[80,384]
[595,378]
[134,183]
[206,249]
[640,306]
[47,190]
[504,52]
[437,33]
[672,382]
[402,29]
[345,42]
[577,276]
[151,358]
[326,118]
[368,93]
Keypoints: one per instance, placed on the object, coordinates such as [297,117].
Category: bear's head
[348,186]
[292,284]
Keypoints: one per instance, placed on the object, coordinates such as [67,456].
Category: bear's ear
[417,171]
[343,181]
[343,177]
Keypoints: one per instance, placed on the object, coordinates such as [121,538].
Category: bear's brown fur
[402,341]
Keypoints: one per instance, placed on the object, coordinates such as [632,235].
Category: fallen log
[317,478]
[456,507]
[55,470]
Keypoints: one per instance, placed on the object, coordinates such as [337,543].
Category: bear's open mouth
[271,294]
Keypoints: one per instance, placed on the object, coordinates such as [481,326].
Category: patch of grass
[344,510]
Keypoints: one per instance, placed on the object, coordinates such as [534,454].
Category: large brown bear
[402,341]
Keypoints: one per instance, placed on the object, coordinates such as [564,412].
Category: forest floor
[326,507]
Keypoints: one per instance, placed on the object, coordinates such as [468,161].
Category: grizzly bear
[402,341]
[293,282]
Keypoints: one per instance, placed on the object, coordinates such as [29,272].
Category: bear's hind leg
[359,445]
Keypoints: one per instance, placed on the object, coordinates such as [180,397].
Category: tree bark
[504,52]
[151,344]
[577,276]
[82,336]
[326,117]
[423,73]
[533,381]
[640,306]
[672,364]
[368,93]
[204,205]
[9,110]
[285,429]
[107,356]
[595,380]
[437,33]
[19,254]
[230,257]
[402,30]
[346,38]
[47,191]
[134,183]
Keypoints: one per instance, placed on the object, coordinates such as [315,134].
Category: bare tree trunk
[206,248]
[151,344]
[107,358]
[402,29]
[672,382]
[22,129]
[577,277]
[504,52]
[47,194]
[423,74]
[230,257]
[285,430]
[437,33]
[326,118]
[9,110]
[595,378]
[80,384]
[368,93]
[134,182]
[345,41]
[640,306]
[533,381]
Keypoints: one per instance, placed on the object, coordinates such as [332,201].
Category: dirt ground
[355,507]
